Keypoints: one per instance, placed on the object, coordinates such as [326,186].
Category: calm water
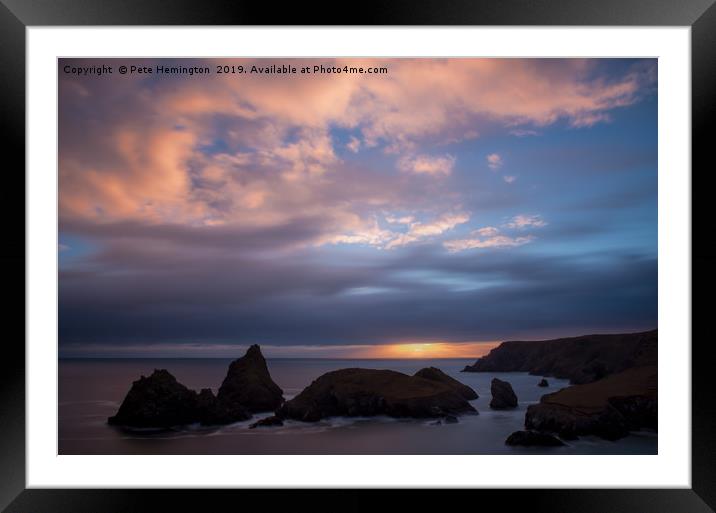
[92,390]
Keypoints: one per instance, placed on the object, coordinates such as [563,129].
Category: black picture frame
[17,15]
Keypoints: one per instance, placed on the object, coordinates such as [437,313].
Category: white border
[672,466]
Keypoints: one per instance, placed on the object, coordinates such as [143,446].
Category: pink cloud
[400,220]
[523,221]
[354,144]
[487,231]
[141,154]
[427,164]
[494,161]
[419,231]
[498,241]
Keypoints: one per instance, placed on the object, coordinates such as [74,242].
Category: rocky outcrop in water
[543,383]
[609,408]
[503,397]
[435,374]
[213,412]
[248,384]
[157,401]
[271,421]
[160,401]
[533,438]
[579,359]
[369,392]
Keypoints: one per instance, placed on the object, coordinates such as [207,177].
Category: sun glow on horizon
[432,350]
[398,350]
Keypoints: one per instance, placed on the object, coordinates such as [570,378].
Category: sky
[430,211]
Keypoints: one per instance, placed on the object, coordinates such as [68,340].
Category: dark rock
[451,419]
[213,412]
[569,424]
[248,385]
[640,411]
[503,397]
[268,421]
[579,359]
[533,438]
[369,392]
[207,407]
[543,383]
[435,374]
[609,408]
[158,401]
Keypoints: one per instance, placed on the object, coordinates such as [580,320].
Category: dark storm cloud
[143,295]
[297,230]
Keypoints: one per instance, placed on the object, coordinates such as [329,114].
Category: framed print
[451,249]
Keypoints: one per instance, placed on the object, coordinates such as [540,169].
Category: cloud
[141,150]
[509,178]
[372,234]
[353,144]
[419,231]
[400,220]
[487,231]
[523,132]
[494,161]
[497,241]
[427,164]
[491,237]
[523,221]
[311,155]
[235,211]
[155,294]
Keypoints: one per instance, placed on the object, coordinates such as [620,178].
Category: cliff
[580,359]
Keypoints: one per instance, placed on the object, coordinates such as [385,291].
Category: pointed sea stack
[161,402]
[435,374]
[503,397]
[248,385]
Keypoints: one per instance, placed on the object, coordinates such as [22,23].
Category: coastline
[82,428]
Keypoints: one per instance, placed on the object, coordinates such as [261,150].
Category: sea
[90,390]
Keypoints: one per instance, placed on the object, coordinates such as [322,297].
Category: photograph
[346,256]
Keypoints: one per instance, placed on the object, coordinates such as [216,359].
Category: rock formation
[435,374]
[369,392]
[543,383]
[579,359]
[608,408]
[503,397]
[160,401]
[157,401]
[533,438]
[212,412]
[267,422]
[248,385]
